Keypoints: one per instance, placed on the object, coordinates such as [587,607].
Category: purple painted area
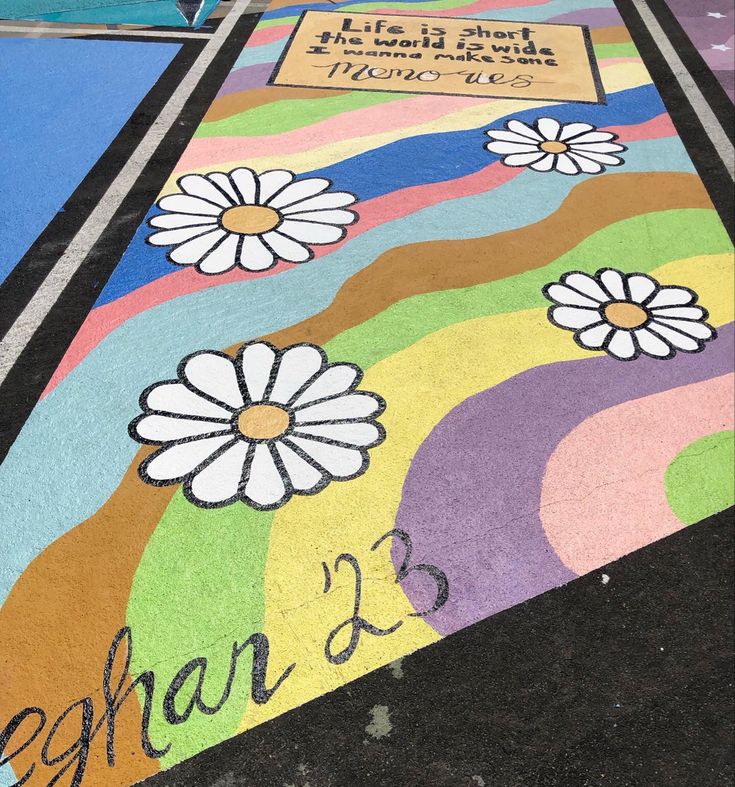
[246,78]
[592,17]
[470,499]
[706,31]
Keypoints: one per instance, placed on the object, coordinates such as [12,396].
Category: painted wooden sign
[445,56]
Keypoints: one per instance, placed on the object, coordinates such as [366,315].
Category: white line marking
[711,125]
[100,31]
[27,323]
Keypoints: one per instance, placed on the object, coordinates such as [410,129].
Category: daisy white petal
[309,232]
[164,428]
[271,182]
[680,312]
[574,317]
[324,216]
[671,296]
[596,147]
[548,128]
[214,375]
[571,130]
[566,296]
[245,182]
[296,367]
[341,408]
[256,362]
[587,166]
[180,235]
[299,190]
[184,203]
[592,136]
[641,287]
[335,380]
[177,399]
[699,330]
[503,135]
[265,486]
[566,165]
[191,251]
[224,182]
[614,283]
[222,258]
[601,158]
[651,344]
[180,459]
[587,285]
[545,164]
[287,249]
[199,186]
[361,433]
[524,130]
[172,221]
[303,476]
[254,254]
[328,201]
[504,148]
[593,338]
[622,345]
[220,479]
[522,159]
[677,339]
[338,461]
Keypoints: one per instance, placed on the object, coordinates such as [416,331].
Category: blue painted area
[158,13]
[375,172]
[74,448]
[62,103]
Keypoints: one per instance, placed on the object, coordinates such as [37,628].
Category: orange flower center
[250,219]
[553,147]
[625,315]
[263,421]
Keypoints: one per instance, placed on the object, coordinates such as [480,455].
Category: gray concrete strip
[27,323]
[711,125]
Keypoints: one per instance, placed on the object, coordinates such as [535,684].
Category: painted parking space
[378,364]
[44,82]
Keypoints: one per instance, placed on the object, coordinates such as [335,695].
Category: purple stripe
[470,499]
[246,78]
[592,17]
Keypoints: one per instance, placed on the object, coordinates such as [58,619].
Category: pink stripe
[346,125]
[105,319]
[603,494]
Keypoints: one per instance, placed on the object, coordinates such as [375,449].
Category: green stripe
[198,588]
[640,243]
[700,481]
[280,116]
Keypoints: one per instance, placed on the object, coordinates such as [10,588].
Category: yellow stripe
[421,385]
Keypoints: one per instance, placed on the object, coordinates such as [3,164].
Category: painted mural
[376,366]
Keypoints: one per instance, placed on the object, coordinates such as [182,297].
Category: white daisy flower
[569,148]
[259,427]
[221,220]
[628,314]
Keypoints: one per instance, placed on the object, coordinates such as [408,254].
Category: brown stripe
[59,621]
[611,35]
[443,265]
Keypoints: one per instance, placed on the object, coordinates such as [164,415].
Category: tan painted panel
[446,56]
